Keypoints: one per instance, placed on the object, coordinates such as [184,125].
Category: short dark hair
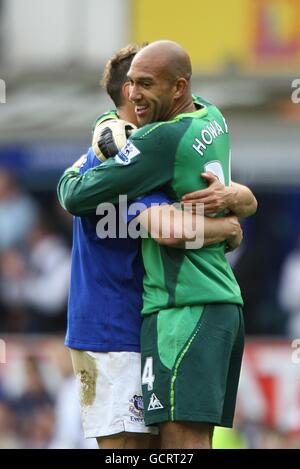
[115,72]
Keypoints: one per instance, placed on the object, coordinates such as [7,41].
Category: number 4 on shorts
[148,377]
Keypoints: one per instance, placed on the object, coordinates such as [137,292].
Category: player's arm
[236,198]
[242,201]
[172,227]
[140,171]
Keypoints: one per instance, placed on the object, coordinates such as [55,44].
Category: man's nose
[134,94]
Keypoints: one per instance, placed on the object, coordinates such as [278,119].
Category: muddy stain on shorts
[85,370]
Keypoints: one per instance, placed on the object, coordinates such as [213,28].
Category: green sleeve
[64,182]
[150,165]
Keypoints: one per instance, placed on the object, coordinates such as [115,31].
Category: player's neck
[127,114]
[185,105]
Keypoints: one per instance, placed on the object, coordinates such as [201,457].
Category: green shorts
[191,360]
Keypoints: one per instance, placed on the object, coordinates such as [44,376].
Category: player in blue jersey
[104,308]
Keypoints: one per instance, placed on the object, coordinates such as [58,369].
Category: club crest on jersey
[136,406]
[126,154]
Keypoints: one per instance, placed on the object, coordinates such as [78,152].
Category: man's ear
[181,86]
[125,90]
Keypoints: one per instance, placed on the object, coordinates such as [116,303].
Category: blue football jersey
[105,300]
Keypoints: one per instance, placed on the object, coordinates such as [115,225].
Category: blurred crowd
[39,405]
[34,263]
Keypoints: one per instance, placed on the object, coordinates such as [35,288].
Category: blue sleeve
[142,203]
[90,161]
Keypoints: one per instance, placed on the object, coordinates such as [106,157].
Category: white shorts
[110,392]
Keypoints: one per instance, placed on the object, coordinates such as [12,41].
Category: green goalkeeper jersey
[169,156]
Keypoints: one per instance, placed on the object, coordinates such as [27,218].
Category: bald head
[159,82]
[167,58]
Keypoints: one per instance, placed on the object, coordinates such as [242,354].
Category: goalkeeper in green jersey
[192,336]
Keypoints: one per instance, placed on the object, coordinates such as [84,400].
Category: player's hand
[216,197]
[236,237]
[110,136]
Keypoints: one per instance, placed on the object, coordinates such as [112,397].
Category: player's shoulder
[211,108]
[155,130]
[104,117]
[201,101]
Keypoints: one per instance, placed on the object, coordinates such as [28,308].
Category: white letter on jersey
[200,145]
[226,127]
[219,128]
[204,133]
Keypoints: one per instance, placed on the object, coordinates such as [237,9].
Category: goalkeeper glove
[110,136]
